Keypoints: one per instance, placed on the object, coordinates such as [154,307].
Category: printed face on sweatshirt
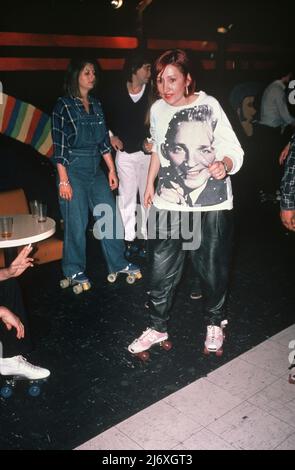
[189,148]
[190,152]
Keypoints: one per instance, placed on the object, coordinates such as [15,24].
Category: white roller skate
[16,369]
[139,347]
[214,339]
[131,270]
[79,282]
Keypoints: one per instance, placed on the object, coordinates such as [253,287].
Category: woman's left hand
[217,170]
[113,180]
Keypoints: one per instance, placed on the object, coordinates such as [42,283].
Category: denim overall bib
[90,188]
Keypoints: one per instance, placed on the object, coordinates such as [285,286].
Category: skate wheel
[167,345]
[64,283]
[219,352]
[291,378]
[6,391]
[130,279]
[112,277]
[77,289]
[34,390]
[143,356]
[86,285]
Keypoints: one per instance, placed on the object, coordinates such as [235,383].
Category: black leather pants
[211,263]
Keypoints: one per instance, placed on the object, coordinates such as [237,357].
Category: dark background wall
[259,36]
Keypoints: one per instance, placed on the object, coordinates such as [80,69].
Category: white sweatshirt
[187,139]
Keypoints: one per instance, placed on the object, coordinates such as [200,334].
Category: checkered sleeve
[105,145]
[288,180]
[63,127]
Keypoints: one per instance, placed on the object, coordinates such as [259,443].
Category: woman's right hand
[148,196]
[65,190]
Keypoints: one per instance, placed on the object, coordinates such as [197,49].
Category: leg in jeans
[212,260]
[112,243]
[75,216]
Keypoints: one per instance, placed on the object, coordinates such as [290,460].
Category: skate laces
[213,333]
[130,267]
[79,276]
[148,335]
[25,362]
[151,335]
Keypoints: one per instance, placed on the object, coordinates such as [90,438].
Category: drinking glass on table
[34,208]
[42,212]
[6,224]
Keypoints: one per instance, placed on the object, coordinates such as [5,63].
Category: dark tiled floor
[94,382]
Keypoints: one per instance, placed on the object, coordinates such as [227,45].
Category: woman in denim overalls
[80,138]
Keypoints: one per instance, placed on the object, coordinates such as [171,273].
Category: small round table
[26,229]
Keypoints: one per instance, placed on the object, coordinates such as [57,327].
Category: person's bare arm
[18,265]
[152,174]
[11,320]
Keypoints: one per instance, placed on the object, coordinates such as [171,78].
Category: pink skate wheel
[143,356]
[167,345]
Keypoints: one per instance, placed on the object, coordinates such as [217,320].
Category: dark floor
[94,382]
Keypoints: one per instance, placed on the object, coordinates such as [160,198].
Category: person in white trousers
[126,115]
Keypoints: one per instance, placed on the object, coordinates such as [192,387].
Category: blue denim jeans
[90,187]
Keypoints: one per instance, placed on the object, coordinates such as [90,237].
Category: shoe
[215,337]
[79,278]
[146,340]
[131,249]
[19,366]
[195,295]
[131,268]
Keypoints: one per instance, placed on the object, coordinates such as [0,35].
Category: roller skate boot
[131,270]
[139,347]
[214,339]
[17,368]
[79,282]
[135,248]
